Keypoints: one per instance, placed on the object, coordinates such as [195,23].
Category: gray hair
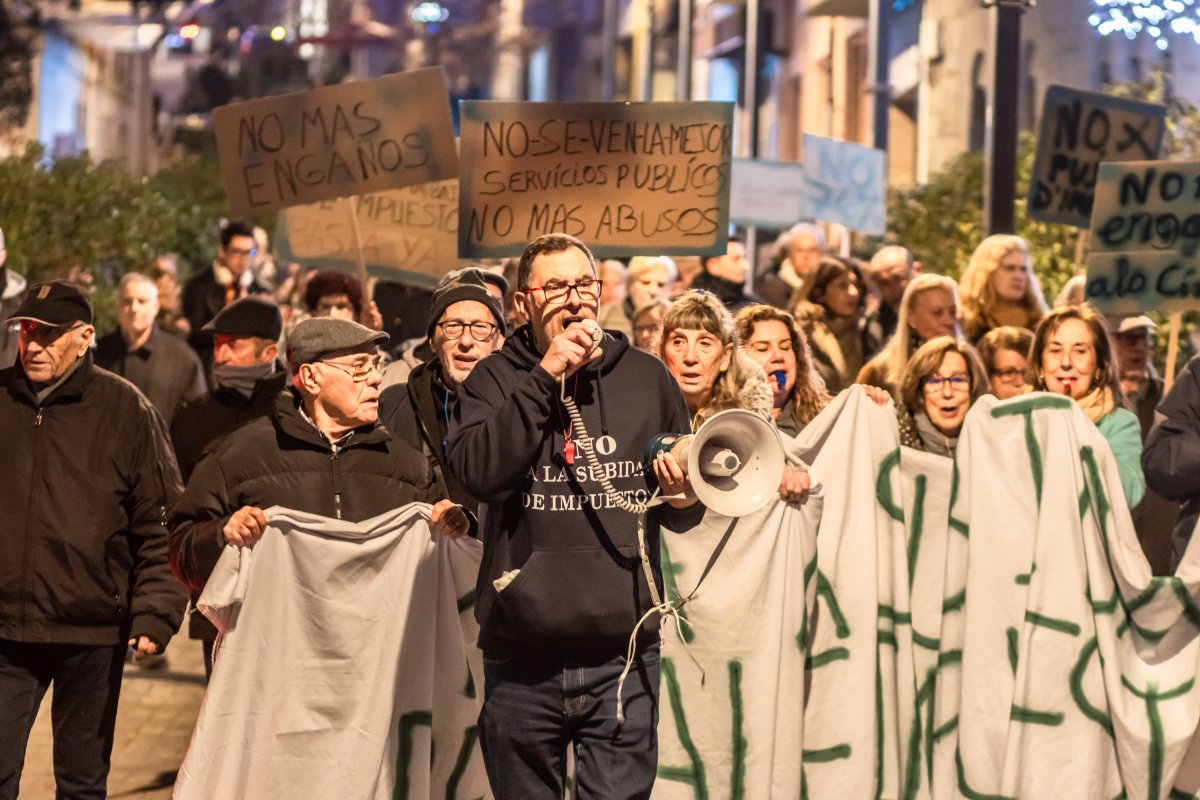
[130,278]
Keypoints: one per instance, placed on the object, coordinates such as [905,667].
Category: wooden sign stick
[1172,349]
[358,247]
[1081,246]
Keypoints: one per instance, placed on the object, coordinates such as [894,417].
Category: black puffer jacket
[283,460]
[200,422]
[87,475]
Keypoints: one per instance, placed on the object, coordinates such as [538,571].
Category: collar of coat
[69,390]
[291,423]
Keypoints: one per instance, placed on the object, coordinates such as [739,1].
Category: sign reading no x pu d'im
[626,178]
[336,141]
[1145,235]
[1080,130]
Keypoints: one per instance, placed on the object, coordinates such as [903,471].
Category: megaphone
[735,462]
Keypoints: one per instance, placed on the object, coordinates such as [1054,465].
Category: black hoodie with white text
[580,587]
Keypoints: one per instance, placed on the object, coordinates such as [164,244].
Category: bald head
[890,270]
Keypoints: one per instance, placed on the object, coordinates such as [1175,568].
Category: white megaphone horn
[735,462]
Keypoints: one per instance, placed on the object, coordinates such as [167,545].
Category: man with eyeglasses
[229,278]
[466,325]
[322,450]
[87,472]
[562,590]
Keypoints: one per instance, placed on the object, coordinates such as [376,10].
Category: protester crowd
[132,460]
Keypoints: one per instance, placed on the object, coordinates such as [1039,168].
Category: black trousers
[83,712]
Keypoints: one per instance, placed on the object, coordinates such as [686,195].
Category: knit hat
[468,283]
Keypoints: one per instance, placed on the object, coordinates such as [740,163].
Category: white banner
[346,666]
[986,628]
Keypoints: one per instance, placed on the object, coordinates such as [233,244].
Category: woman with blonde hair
[998,288]
[772,338]
[1073,355]
[928,309]
[648,280]
[941,382]
[700,349]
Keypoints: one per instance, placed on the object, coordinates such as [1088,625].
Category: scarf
[1097,403]
[241,379]
[934,440]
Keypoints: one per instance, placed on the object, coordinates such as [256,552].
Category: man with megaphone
[549,435]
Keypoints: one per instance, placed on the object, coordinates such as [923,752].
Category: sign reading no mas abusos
[1080,130]
[845,183]
[1145,235]
[626,178]
[336,141]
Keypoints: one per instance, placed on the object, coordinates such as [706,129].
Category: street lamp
[1004,89]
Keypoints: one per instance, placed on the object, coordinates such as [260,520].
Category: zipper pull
[37,421]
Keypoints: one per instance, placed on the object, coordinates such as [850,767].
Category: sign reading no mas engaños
[626,178]
[336,141]
[1145,234]
[1079,130]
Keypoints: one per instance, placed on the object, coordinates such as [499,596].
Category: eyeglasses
[360,370]
[957,383]
[1008,374]
[453,330]
[237,251]
[557,291]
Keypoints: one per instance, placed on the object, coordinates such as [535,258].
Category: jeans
[533,710]
[83,712]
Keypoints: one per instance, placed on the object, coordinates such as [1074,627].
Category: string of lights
[1153,18]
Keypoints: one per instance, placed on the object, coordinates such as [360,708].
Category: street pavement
[154,725]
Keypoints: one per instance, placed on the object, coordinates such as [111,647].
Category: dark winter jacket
[733,295]
[200,422]
[87,475]
[283,460]
[1171,457]
[417,412]
[165,369]
[580,589]
[197,426]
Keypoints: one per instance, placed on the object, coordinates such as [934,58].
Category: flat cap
[317,336]
[55,303]
[249,316]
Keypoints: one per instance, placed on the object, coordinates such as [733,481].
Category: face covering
[241,379]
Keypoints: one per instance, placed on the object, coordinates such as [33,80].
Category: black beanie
[467,283]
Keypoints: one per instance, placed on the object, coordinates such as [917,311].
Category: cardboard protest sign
[408,235]
[769,194]
[1145,232]
[336,141]
[626,178]
[845,183]
[1080,130]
